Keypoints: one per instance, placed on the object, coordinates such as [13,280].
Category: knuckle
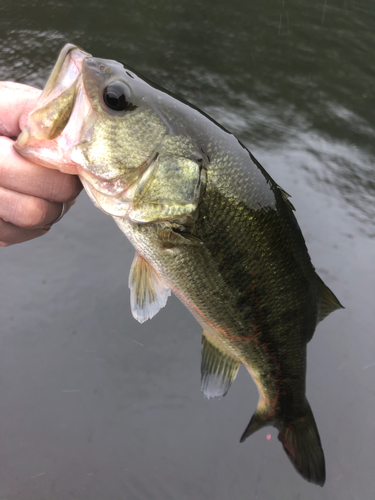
[66,188]
[11,234]
[33,213]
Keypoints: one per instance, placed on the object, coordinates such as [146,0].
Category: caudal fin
[301,442]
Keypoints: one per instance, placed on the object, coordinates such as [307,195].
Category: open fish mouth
[42,139]
[65,72]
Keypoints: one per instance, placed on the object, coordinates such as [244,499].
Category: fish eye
[117,97]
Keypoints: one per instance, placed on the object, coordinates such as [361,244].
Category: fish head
[98,119]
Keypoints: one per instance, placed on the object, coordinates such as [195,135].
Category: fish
[207,222]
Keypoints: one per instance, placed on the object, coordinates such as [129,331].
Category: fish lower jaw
[44,152]
[117,206]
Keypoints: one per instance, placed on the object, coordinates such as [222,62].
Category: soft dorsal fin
[328,302]
[218,369]
[148,292]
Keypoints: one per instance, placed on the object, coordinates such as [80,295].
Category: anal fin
[218,369]
[148,292]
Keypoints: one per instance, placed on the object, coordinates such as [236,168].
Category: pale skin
[31,196]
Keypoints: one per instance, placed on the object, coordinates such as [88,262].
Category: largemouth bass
[207,222]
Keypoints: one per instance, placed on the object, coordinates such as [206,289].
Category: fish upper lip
[78,64]
[67,69]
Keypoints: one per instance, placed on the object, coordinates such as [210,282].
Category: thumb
[16,103]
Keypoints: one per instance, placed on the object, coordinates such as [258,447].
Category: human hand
[31,196]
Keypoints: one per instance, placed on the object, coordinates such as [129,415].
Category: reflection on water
[295,81]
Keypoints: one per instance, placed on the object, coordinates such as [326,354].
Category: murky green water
[94,405]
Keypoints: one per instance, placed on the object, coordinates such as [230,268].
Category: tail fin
[301,442]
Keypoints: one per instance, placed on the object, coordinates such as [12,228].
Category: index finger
[16,102]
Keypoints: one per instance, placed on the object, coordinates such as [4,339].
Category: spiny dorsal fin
[328,302]
[285,196]
[148,293]
[218,369]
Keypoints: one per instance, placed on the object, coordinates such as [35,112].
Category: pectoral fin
[218,369]
[170,237]
[148,292]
